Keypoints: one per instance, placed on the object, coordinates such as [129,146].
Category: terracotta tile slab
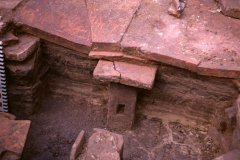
[13,134]
[62,22]
[219,70]
[9,4]
[109,21]
[158,35]
[105,71]
[27,45]
[137,76]
[201,34]
[213,37]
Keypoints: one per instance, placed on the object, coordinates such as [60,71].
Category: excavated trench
[66,74]
[171,121]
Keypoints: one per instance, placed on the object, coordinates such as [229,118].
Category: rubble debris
[104,145]
[176,8]
[121,106]
[233,155]
[13,135]
[218,137]
[230,8]
[77,146]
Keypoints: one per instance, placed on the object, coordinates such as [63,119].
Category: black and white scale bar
[3,86]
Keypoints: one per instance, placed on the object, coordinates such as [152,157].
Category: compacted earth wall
[177,95]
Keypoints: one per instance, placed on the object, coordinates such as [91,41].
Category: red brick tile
[105,71]
[13,134]
[62,22]
[135,75]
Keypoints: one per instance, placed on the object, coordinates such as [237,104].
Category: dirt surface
[56,125]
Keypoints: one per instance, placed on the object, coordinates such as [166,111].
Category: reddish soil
[56,125]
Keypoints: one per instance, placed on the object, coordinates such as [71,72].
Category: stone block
[13,135]
[25,73]
[19,52]
[105,71]
[26,99]
[77,146]
[104,145]
[121,106]
[233,155]
[230,8]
